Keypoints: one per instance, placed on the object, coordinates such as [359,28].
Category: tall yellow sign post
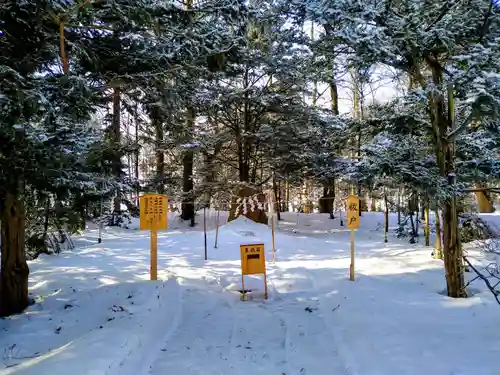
[352,223]
[153,211]
[253,262]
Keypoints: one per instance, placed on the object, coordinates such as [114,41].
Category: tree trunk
[399,207]
[306,203]
[159,153]
[276,207]
[413,230]
[357,139]
[484,201]
[326,201]
[187,211]
[452,253]
[413,209]
[438,245]
[453,261]
[417,221]
[116,131]
[443,122]
[425,206]
[209,173]
[136,161]
[445,156]
[373,205]
[14,268]
[243,143]
[46,216]
[334,96]
[280,203]
[287,197]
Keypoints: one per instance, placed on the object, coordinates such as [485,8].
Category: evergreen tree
[436,45]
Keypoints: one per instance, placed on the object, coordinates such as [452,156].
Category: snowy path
[100,315]
[310,344]
[218,334]
[148,337]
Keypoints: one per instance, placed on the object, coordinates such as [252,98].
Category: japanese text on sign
[252,250]
[153,210]
[252,259]
[352,212]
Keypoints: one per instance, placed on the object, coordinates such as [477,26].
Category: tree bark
[159,153]
[116,132]
[438,245]
[399,207]
[279,205]
[136,161]
[425,206]
[443,122]
[287,197]
[334,97]
[243,143]
[326,201]
[451,242]
[276,207]
[445,156]
[484,202]
[187,211]
[14,268]
[306,202]
[373,205]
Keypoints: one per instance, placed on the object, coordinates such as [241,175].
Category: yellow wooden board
[253,260]
[153,211]
[352,212]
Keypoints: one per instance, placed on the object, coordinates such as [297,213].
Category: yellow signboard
[153,211]
[352,212]
[253,261]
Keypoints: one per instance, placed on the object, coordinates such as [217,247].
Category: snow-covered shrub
[473,228]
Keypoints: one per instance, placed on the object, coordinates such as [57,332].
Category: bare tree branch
[486,279]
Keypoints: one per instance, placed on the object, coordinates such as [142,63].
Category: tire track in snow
[250,336]
[277,297]
[260,340]
[309,342]
[144,348]
[201,344]
[349,369]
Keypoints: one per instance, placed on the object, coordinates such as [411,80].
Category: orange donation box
[253,261]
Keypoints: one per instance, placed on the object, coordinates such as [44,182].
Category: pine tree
[428,41]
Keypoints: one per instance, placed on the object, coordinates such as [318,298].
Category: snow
[97,312]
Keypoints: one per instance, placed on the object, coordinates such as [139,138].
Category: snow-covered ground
[97,312]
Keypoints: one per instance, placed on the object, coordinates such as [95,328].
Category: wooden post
[242,287]
[427,229]
[205,230]
[265,285]
[351,268]
[386,219]
[153,217]
[272,233]
[99,233]
[352,213]
[154,255]
[438,245]
[217,229]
